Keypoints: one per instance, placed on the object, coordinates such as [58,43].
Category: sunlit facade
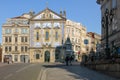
[34,37]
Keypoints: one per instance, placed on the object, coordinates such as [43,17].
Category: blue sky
[86,12]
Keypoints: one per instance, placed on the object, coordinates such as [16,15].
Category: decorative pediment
[47,14]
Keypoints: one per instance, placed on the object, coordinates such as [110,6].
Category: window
[22,48]
[7,31]
[6,39]
[50,15]
[43,16]
[23,30]
[22,39]
[25,48]
[56,36]
[114,4]
[72,32]
[72,40]
[15,48]
[47,35]
[78,40]
[37,35]
[25,39]
[15,39]
[6,49]
[68,30]
[9,39]
[16,30]
[10,48]
[37,56]
[16,58]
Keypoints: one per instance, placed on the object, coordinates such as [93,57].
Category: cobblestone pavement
[49,71]
[74,72]
[3,64]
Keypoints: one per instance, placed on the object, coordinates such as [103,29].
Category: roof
[19,17]
[50,11]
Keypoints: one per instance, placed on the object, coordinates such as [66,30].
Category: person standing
[71,59]
[67,60]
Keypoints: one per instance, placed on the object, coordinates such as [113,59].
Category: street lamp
[106,21]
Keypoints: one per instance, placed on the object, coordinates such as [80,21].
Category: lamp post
[106,21]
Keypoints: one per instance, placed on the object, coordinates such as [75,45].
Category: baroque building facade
[47,29]
[34,37]
[110,24]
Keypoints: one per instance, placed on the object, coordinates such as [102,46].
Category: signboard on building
[86,41]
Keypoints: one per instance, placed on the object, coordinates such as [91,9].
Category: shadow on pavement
[79,73]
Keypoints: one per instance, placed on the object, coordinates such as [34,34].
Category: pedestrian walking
[67,60]
[71,59]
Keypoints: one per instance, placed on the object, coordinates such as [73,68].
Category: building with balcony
[37,37]
[15,39]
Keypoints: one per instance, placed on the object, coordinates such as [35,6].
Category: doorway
[47,56]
